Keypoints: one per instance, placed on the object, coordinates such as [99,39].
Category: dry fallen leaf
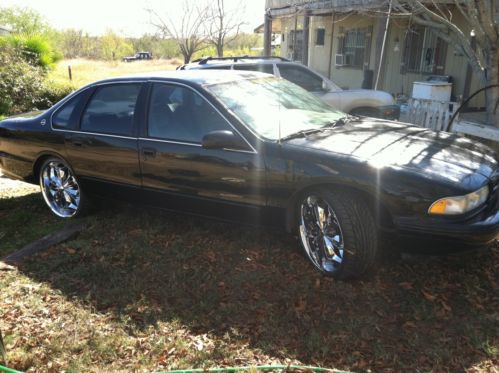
[428,296]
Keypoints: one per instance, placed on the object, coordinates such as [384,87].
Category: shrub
[52,93]
[35,49]
[23,86]
[20,83]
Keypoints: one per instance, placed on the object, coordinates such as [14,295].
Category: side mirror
[223,140]
[325,86]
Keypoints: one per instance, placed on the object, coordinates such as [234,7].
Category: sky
[127,17]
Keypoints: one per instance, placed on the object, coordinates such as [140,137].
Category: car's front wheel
[337,232]
[60,188]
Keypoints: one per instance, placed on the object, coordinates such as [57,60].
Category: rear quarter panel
[23,140]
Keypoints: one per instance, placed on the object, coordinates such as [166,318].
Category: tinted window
[215,67]
[301,76]
[178,113]
[263,68]
[62,118]
[111,109]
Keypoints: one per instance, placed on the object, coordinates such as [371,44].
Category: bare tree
[224,24]
[477,37]
[187,30]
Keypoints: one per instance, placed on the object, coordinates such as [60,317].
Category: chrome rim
[321,234]
[60,189]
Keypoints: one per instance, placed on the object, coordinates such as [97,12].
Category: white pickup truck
[366,102]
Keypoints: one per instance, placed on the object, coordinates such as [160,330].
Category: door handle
[148,153]
[78,141]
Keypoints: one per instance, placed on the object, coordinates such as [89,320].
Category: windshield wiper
[304,133]
[301,133]
[341,121]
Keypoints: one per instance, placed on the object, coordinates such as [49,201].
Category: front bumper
[435,235]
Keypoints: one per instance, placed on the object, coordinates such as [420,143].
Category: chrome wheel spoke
[60,189]
[321,234]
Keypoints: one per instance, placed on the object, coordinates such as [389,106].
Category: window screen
[111,109]
[424,51]
[180,114]
[355,45]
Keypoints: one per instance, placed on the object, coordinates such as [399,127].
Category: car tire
[60,189]
[337,232]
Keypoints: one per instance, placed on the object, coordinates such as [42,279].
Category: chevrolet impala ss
[252,147]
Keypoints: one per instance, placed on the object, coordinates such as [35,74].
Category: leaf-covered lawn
[148,290]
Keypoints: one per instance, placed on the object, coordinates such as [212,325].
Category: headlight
[459,205]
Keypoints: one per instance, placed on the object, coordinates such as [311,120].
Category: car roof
[201,77]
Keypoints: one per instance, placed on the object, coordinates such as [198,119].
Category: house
[343,40]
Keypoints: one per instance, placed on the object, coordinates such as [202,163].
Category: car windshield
[267,103]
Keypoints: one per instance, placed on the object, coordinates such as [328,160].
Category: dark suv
[138,56]
[365,102]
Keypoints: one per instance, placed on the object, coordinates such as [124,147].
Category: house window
[320,34]
[424,52]
[355,46]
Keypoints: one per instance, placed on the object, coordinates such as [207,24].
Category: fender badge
[43,122]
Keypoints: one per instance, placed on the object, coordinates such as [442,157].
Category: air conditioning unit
[339,60]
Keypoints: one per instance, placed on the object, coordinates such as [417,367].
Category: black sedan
[252,147]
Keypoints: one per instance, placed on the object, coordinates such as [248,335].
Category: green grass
[22,215]
[146,290]
[24,220]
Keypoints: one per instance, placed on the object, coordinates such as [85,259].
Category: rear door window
[263,68]
[301,76]
[62,118]
[215,67]
[66,117]
[111,109]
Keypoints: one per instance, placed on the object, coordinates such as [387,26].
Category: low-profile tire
[60,189]
[337,232]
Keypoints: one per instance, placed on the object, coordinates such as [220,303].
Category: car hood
[380,143]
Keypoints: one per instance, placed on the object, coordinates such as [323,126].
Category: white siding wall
[391,79]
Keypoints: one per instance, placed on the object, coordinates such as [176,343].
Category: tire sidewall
[354,262]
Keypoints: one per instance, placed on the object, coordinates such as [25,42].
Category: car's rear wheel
[60,188]
[337,232]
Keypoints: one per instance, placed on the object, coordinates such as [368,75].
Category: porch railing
[430,114]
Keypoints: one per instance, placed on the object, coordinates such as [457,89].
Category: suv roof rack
[204,60]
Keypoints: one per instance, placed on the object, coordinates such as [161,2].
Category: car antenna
[279,124]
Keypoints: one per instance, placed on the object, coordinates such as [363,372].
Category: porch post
[306,34]
[267,35]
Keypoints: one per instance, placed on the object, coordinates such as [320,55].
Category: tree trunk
[187,57]
[220,50]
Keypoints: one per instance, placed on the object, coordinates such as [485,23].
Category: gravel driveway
[11,188]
